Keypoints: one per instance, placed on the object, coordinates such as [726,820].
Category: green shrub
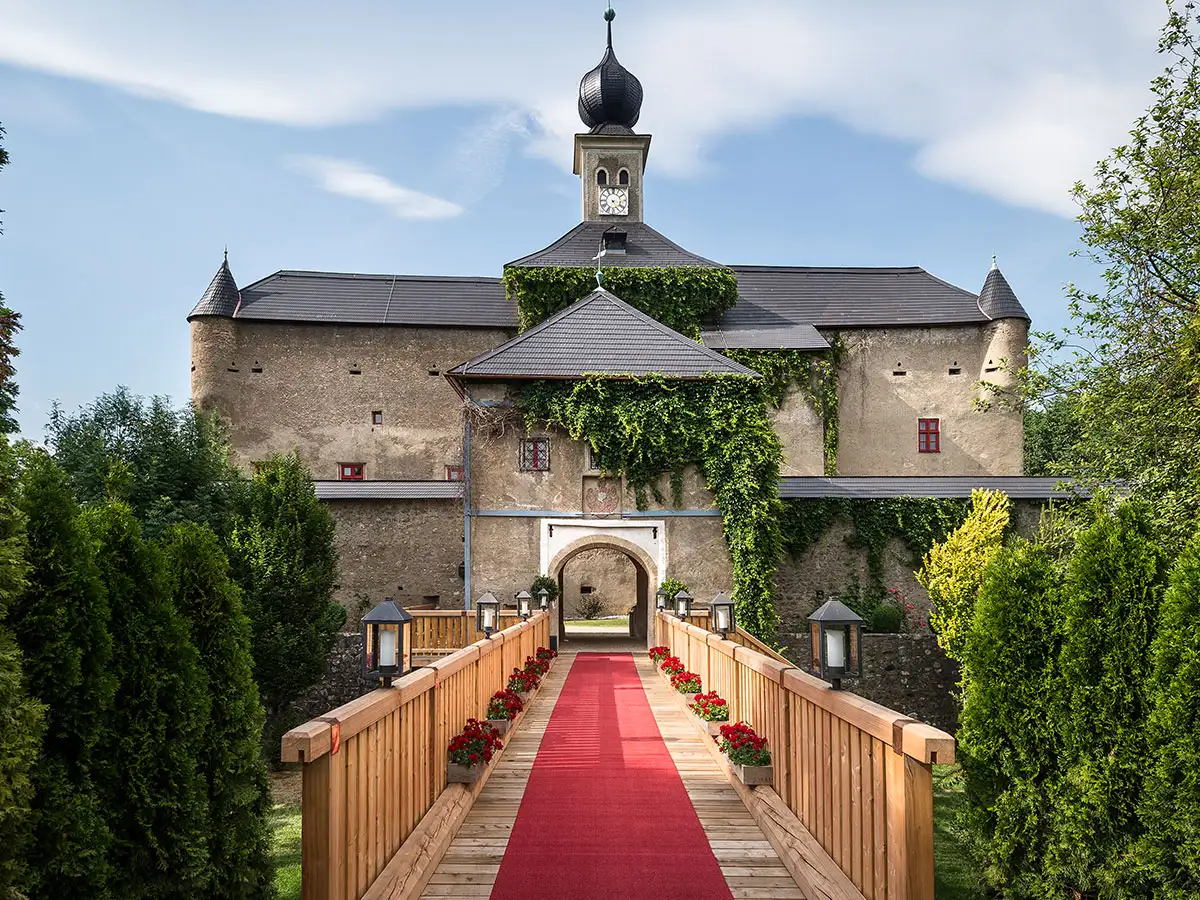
[953,568]
[61,621]
[1007,740]
[544,581]
[1169,854]
[885,618]
[149,778]
[1114,582]
[283,556]
[672,586]
[230,757]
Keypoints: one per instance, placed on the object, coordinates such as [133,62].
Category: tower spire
[609,15]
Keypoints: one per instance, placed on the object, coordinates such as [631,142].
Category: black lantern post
[683,604]
[387,642]
[487,614]
[543,599]
[660,599]
[524,604]
[836,633]
[721,614]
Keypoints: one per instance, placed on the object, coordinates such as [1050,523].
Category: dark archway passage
[639,615]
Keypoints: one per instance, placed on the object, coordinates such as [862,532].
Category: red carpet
[605,814]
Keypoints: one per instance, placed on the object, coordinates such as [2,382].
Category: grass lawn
[612,622]
[955,875]
[285,833]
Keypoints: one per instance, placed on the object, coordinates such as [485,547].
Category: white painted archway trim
[648,535]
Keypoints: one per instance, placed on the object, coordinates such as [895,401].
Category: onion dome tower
[610,158]
[610,96]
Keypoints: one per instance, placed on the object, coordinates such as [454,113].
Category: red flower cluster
[546,653]
[504,705]
[523,682]
[658,654]
[744,746]
[671,665]
[477,741]
[686,682]
[710,707]
[538,667]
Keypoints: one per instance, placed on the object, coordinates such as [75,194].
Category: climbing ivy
[642,427]
[680,297]
[815,375]
[918,521]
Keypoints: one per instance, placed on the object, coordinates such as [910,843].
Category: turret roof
[221,297]
[997,300]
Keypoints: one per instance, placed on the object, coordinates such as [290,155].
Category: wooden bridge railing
[856,774]
[374,767]
[441,631]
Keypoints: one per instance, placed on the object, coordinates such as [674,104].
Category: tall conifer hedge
[61,620]
[230,756]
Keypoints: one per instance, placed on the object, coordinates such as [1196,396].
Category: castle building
[393,389]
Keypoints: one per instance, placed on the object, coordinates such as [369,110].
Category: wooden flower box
[501,725]
[713,728]
[457,773]
[752,775]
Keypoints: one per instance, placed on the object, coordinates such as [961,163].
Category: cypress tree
[1007,742]
[230,756]
[1114,582]
[61,621]
[151,787]
[284,558]
[1169,854]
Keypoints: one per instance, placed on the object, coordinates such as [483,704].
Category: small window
[377,417]
[898,373]
[351,471]
[355,370]
[435,373]
[535,455]
[954,370]
[454,473]
[586,589]
[623,177]
[433,599]
[257,370]
[601,177]
[929,438]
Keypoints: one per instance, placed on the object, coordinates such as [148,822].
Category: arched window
[623,177]
[601,177]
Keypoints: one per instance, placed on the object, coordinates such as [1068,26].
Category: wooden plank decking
[750,864]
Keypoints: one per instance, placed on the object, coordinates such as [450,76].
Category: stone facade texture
[342,683]
[609,579]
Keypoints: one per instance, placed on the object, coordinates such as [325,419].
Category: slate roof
[997,300]
[787,337]
[643,247]
[598,334]
[331,297]
[388,490]
[221,297]
[1018,487]
[783,296]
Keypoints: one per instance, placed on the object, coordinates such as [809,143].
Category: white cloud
[1015,100]
[353,179]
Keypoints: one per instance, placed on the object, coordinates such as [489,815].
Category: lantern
[721,614]
[683,604]
[387,642]
[543,599]
[487,614]
[836,633]
[524,604]
[661,598]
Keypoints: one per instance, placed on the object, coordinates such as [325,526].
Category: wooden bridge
[849,815]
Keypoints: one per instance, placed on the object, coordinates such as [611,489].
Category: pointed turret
[221,298]
[997,300]
[610,96]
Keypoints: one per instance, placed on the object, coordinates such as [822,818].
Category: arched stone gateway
[643,542]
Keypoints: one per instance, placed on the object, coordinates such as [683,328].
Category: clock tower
[609,158]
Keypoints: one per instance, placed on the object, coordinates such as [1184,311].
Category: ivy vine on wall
[641,427]
[680,297]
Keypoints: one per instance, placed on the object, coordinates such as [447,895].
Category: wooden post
[323,823]
[918,806]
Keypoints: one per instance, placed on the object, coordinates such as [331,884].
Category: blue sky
[387,137]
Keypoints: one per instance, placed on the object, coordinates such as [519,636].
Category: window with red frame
[454,473]
[929,437]
[535,455]
[351,471]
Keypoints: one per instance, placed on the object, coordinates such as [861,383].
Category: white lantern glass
[388,639]
[835,648]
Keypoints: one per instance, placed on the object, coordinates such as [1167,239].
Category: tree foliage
[283,555]
[952,570]
[642,427]
[61,621]
[151,784]
[1051,436]
[173,462]
[230,758]
[1007,744]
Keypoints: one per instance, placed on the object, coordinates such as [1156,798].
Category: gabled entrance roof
[599,334]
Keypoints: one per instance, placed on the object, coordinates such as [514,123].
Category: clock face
[614,201]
